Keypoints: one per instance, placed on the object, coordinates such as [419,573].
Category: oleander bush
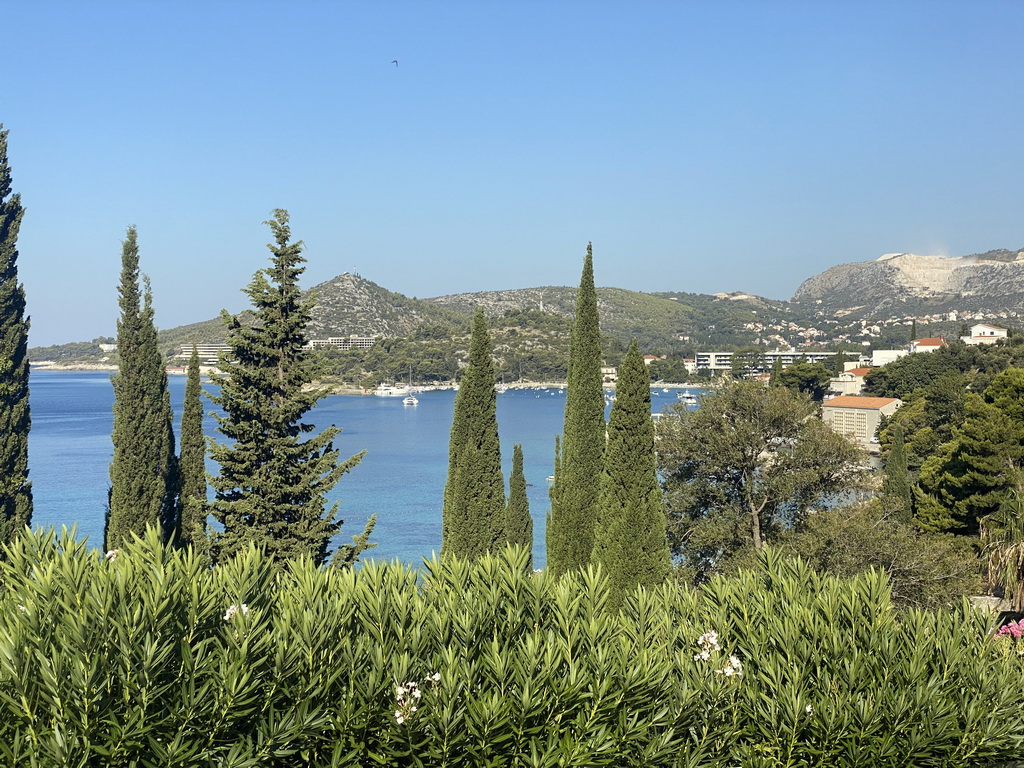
[147,657]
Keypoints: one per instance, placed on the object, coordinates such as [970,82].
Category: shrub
[150,658]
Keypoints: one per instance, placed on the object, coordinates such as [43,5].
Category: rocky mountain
[349,305]
[907,282]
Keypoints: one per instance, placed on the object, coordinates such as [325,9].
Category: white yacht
[411,400]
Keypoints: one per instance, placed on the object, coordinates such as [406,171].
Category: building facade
[858,417]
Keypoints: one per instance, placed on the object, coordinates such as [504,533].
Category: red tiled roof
[858,371]
[855,401]
[931,342]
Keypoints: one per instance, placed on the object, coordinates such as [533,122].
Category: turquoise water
[401,479]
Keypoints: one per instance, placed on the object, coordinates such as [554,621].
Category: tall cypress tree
[518,523]
[192,461]
[574,493]
[629,540]
[272,487]
[15,419]
[473,516]
[143,473]
[897,475]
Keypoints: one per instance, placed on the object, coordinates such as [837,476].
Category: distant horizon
[113,332]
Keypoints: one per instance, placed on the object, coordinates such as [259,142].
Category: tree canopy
[747,464]
[144,470]
[15,417]
[272,486]
[574,493]
[473,515]
[629,535]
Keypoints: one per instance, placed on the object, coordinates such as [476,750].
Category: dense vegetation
[151,658]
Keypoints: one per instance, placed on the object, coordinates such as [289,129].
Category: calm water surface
[401,478]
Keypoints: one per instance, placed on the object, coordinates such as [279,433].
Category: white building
[886,356]
[984,334]
[927,345]
[849,382]
[722,361]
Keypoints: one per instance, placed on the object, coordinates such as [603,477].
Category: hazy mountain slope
[992,280]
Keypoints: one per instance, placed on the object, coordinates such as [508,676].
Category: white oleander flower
[112,554]
[232,610]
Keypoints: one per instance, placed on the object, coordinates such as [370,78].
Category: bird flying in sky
[395,62]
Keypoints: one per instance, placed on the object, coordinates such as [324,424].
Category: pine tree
[897,476]
[144,472]
[629,540]
[15,419]
[574,494]
[192,462]
[474,494]
[518,523]
[272,487]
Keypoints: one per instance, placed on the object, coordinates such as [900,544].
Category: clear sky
[701,146]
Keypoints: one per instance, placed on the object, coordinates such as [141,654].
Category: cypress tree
[773,379]
[15,418]
[630,541]
[574,494]
[839,362]
[143,473]
[272,487]
[518,523]
[473,516]
[192,462]
[897,475]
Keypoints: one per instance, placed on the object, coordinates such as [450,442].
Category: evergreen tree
[144,472]
[897,483]
[773,379]
[518,523]
[272,486]
[474,494]
[913,329]
[839,362]
[630,542]
[15,419]
[574,493]
[192,462]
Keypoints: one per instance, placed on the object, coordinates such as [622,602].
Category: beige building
[858,417]
[849,382]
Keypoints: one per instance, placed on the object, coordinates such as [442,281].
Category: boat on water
[391,390]
[687,397]
[411,400]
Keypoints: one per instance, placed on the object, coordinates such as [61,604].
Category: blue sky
[701,146]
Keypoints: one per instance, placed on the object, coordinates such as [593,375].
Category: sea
[401,478]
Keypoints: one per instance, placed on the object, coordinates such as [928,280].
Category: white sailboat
[411,399]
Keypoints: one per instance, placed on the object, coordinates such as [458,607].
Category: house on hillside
[849,382]
[858,417]
[983,333]
[927,345]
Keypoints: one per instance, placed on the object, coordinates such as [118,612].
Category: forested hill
[350,305]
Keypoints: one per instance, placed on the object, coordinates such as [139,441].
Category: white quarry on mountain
[995,275]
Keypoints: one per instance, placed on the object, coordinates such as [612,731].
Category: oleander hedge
[149,658]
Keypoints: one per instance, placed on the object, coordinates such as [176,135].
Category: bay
[401,478]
